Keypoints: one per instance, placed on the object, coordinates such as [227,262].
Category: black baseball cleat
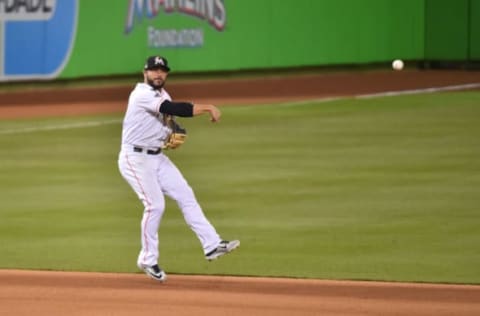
[223,248]
[155,273]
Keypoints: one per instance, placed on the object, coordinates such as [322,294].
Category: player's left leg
[175,186]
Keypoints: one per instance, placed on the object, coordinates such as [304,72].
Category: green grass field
[379,189]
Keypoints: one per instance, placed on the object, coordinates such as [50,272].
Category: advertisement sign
[36,37]
[212,12]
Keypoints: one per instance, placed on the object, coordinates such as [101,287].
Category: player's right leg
[138,169]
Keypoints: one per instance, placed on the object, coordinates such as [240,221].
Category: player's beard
[155,86]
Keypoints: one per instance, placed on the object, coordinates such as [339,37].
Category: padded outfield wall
[45,39]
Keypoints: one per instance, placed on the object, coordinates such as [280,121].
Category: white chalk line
[319,100]
[419,91]
[386,94]
[58,127]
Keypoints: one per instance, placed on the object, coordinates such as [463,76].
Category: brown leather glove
[178,135]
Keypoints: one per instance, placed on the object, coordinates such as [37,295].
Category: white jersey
[143,124]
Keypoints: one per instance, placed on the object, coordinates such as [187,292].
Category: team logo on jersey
[36,37]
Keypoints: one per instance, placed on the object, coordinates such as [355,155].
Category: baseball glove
[178,135]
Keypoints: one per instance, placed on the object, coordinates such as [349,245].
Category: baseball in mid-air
[397,64]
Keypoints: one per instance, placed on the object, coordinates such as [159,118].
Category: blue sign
[37,37]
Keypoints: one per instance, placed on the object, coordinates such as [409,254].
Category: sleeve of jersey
[181,109]
[150,101]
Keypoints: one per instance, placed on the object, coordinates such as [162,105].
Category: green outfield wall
[246,34]
[452,29]
[474,30]
[48,39]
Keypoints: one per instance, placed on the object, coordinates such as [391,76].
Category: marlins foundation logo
[211,11]
[36,37]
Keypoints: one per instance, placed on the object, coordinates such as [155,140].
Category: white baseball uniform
[151,174]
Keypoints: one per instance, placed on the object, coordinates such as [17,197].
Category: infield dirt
[68,293]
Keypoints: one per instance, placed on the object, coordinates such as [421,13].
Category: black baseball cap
[156,62]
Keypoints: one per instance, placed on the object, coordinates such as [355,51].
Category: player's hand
[214,114]
[211,109]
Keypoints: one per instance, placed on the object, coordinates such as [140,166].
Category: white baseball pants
[152,177]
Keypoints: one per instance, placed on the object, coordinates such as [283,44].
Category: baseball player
[149,128]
